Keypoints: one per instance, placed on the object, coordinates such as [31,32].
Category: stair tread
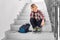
[18,21]
[16,27]
[30,35]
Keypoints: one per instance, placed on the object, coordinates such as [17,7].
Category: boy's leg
[39,23]
[33,22]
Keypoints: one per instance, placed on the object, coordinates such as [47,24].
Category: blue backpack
[24,28]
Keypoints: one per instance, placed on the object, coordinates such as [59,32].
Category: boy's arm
[41,15]
[43,22]
[31,15]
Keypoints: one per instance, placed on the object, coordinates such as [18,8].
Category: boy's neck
[35,11]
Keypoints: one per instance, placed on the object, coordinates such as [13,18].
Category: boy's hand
[42,23]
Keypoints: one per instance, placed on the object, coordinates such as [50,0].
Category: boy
[36,18]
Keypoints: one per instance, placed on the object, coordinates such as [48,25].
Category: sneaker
[39,29]
[34,30]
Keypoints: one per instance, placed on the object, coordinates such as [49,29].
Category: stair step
[23,17]
[21,21]
[28,14]
[14,27]
[24,14]
[29,35]
[3,39]
[18,21]
[47,28]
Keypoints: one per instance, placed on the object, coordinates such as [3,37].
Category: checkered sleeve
[41,14]
[31,15]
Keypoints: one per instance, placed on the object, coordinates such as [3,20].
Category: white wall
[8,11]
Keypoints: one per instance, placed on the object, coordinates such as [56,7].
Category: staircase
[23,18]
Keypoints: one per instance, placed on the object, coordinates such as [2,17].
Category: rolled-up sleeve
[31,15]
[41,14]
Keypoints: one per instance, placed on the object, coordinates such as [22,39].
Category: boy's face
[34,8]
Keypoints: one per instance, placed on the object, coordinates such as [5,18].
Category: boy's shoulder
[39,10]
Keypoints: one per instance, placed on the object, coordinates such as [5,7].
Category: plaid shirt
[37,15]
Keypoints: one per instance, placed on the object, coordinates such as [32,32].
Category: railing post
[56,20]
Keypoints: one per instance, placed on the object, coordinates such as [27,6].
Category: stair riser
[17,39]
[21,17]
[21,21]
[22,6]
[43,29]
[15,27]
[24,22]
[27,39]
[18,36]
[29,15]
[24,14]
[11,36]
[27,18]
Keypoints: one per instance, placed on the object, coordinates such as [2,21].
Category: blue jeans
[35,23]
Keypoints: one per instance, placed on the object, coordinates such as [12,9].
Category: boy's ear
[36,6]
[31,7]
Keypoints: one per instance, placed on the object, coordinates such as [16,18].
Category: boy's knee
[31,19]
